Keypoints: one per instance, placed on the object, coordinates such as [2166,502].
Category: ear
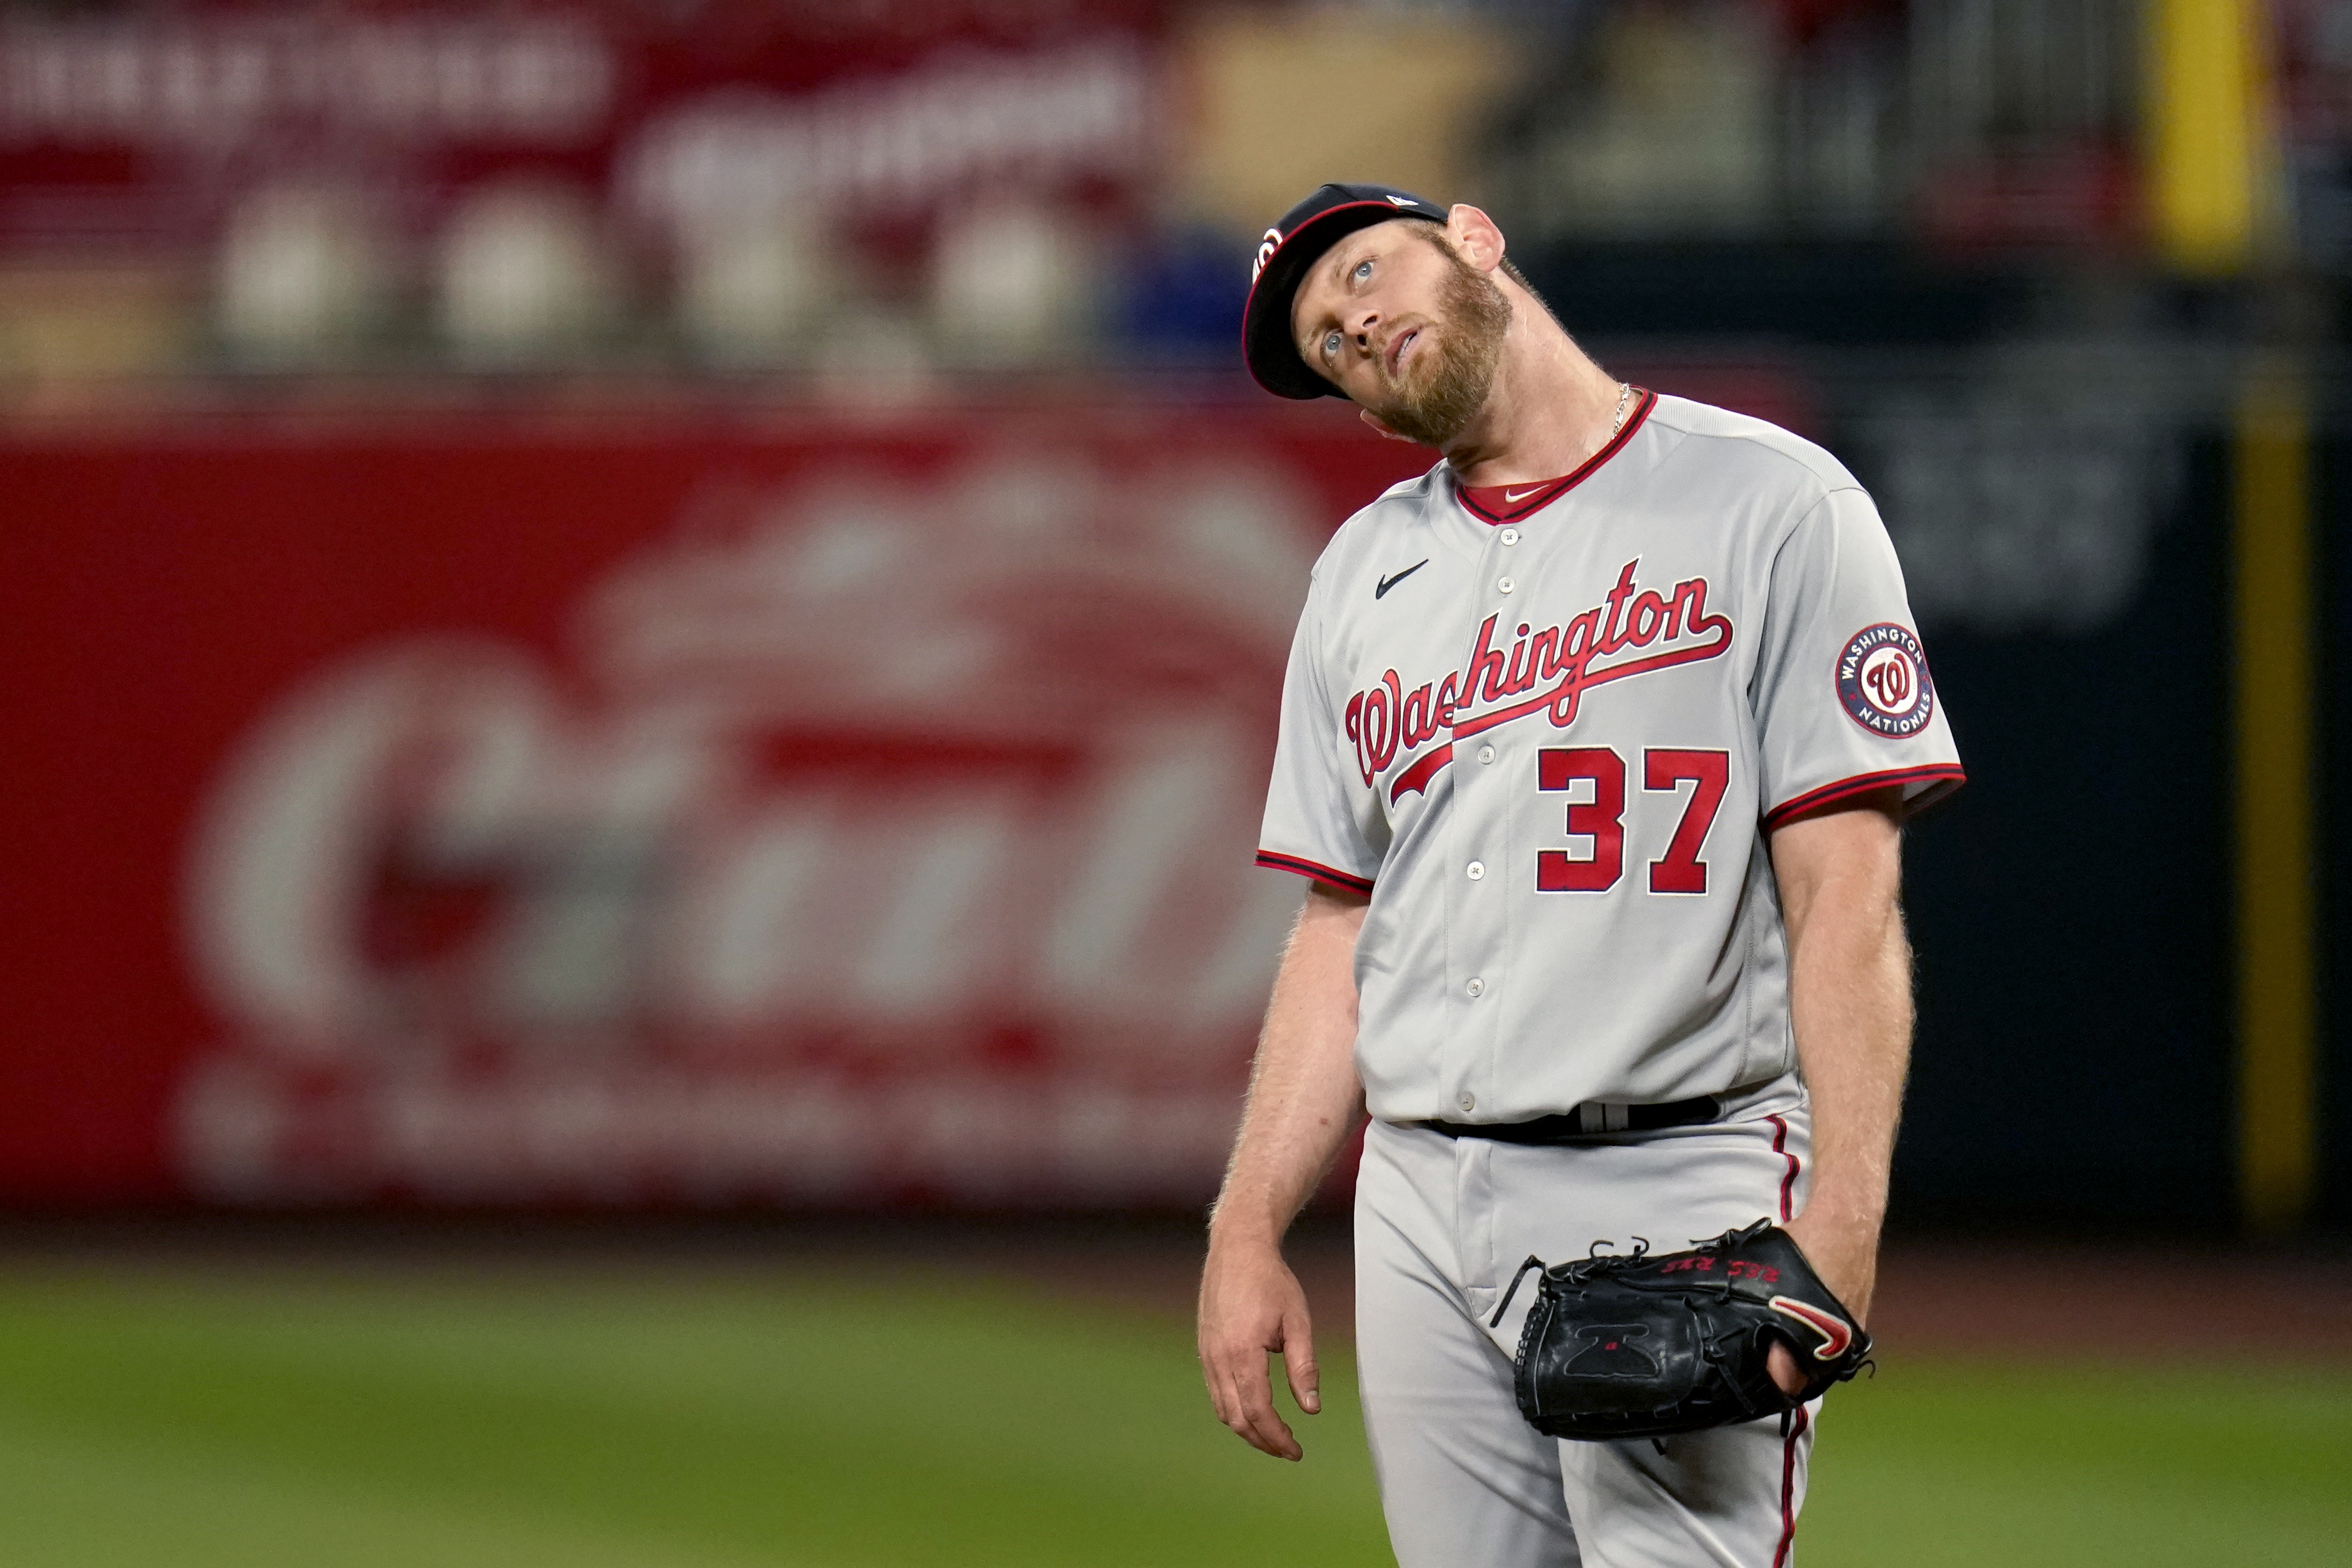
[1473,237]
[1369,417]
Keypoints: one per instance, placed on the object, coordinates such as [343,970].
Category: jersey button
[1510,536]
[1476,985]
[1477,870]
[1507,585]
[1486,754]
[1468,1102]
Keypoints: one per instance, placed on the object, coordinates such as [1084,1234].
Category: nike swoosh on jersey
[1388,582]
[1513,498]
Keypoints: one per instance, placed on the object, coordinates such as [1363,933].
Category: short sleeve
[1316,806]
[1843,700]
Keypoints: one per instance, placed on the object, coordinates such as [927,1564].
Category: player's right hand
[1251,1307]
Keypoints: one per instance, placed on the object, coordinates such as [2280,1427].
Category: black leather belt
[1585,1121]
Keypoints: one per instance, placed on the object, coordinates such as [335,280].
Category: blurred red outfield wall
[811,806]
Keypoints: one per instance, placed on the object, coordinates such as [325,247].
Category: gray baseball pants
[1440,1223]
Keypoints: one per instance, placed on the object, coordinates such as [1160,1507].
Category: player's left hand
[1846,1257]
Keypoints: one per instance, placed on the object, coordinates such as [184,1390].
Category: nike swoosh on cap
[1388,582]
[1404,201]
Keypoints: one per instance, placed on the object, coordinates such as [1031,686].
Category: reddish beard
[1454,362]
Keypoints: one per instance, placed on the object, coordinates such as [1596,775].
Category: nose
[1365,326]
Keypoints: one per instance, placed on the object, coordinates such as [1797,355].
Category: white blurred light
[1012,283]
[751,288]
[303,273]
[523,275]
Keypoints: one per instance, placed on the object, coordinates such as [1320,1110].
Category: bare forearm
[1850,1003]
[1303,1100]
[1304,1096]
[1850,997]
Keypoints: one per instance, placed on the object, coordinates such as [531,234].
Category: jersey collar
[1493,504]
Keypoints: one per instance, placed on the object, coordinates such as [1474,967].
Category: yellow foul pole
[2209,157]
[2276,899]
[2213,209]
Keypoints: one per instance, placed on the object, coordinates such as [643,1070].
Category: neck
[1549,409]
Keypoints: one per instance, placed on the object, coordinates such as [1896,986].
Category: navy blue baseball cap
[1291,248]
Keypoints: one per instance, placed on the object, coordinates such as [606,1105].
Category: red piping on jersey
[1941,778]
[1788,1181]
[1298,866]
[1644,399]
[1797,1421]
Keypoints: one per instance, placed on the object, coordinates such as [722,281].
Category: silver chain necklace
[1624,396]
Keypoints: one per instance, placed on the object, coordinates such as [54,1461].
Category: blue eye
[1331,345]
[1363,270]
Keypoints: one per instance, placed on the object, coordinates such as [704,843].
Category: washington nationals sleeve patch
[1882,681]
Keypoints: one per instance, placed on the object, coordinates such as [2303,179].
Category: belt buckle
[1601,1116]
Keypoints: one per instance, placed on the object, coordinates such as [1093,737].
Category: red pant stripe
[1788,1487]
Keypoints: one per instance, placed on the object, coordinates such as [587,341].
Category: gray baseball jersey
[1548,734]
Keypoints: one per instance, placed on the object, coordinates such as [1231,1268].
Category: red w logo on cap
[1835,1332]
[1265,254]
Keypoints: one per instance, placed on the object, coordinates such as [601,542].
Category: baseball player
[1595,743]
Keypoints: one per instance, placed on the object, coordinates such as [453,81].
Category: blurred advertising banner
[734,808]
[148,122]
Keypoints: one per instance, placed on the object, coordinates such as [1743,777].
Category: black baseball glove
[1643,1345]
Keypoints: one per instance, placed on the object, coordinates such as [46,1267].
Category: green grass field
[190,1417]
